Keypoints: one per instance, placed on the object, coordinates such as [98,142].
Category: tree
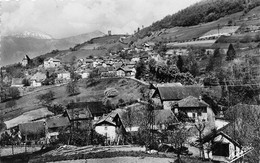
[231,53]
[13,92]
[128,117]
[140,69]
[72,88]
[45,99]
[56,109]
[214,61]
[180,63]
[178,138]
[10,104]
[26,82]
[50,79]
[200,126]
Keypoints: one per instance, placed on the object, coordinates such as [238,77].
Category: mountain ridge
[14,47]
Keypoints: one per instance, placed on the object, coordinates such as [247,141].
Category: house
[85,73]
[149,46]
[51,63]
[120,72]
[26,60]
[135,59]
[170,94]
[223,148]
[103,71]
[111,127]
[32,131]
[156,57]
[196,109]
[63,75]
[81,114]
[223,47]
[37,79]
[54,124]
[17,82]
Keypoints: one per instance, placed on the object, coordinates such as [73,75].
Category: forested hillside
[202,12]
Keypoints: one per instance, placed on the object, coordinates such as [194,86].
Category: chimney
[221,113]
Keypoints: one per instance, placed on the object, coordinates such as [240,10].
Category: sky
[64,18]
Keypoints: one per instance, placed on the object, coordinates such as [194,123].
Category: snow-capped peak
[32,34]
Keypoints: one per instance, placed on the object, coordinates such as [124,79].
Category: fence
[17,149]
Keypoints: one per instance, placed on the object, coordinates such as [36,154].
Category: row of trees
[161,72]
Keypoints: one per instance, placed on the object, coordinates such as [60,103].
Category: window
[199,113]
[193,115]
[105,127]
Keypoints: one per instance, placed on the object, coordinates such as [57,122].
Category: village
[173,104]
[170,92]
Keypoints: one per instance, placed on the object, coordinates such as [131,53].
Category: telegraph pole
[1,73]
[218,30]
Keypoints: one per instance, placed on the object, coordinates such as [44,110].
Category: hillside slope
[190,32]
[128,90]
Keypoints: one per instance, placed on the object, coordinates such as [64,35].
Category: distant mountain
[14,47]
[32,34]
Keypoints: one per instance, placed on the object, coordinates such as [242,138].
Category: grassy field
[127,88]
[114,156]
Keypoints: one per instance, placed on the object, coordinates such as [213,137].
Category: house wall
[211,117]
[64,76]
[36,84]
[120,73]
[24,62]
[167,104]
[50,63]
[107,130]
[85,75]
[233,149]
[196,116]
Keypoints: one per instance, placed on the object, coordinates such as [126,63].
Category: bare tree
[200,126]
[178,138]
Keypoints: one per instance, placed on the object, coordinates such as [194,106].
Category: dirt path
[121,160]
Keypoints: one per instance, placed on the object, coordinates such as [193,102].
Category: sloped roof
[79,114]
[26,57]
[57,121]
[102,69]
[113,118]
[32,127]
[220,45]
[212,135]
[177,92]
[85,110]
[89,60]
[17,81]
[108,119]
[39,76]
[191,101]
[165,115]
[54,59]
[125,69]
